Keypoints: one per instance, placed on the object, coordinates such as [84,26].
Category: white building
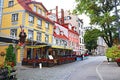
[101,49]
[71,18]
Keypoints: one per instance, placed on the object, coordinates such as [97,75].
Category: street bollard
[40,65]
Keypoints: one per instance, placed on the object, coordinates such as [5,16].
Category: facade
[81,36]
[77,28]
[60,41]
[71,18]
[74,41]
[70,31]
[101,49]
[31,15]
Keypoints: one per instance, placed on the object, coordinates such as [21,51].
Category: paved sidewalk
[109,71]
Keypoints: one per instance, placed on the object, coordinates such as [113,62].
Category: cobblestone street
[60,72]
[88,69]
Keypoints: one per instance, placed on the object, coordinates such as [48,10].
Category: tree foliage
[10,55]
[101,14]
[90,38]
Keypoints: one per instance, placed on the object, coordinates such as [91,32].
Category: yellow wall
[16,7]
[7,23]
[2,58]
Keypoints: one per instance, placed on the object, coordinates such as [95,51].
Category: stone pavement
[109,71]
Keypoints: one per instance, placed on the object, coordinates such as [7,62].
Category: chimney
[62,16]
[57,13]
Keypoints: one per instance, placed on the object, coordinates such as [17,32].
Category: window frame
[39,11]
[14,17]
[46,38]
[10,3]
[13,32]
[39,23]
[39,36]
[35,9]
[47,25]
[30,32]
[31,18]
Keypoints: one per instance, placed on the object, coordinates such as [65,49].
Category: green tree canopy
[101,14]
[90,38]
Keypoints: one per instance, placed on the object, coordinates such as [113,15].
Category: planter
[118,61]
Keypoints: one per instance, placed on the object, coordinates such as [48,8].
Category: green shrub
[113,52]
[10,55]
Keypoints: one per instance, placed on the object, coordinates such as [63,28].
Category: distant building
[101,49]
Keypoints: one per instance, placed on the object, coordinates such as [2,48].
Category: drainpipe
[57,13]
[62,16]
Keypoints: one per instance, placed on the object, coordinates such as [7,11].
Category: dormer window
[67,18]
[61,33]
[10,3]
[39,11]
[35,8]
[43,13]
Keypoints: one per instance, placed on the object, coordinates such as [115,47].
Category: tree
[10,55]
[90,39]
[101,14]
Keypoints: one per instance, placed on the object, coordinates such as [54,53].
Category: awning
[61,47]
[35,46]
[8,40]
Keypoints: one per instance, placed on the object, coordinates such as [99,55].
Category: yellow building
[32,16]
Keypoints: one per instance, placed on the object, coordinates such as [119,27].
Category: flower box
[118,61]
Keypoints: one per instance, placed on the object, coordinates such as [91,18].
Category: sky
[64,4]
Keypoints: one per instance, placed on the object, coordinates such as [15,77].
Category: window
[35,8]
[30,34]
[13,32]
[39,22]
[65,43]
[39,11]
[14,17]
[57,42]
[10,3]
[67,18]
[47,25]
[31,18]
[39,36]
[43,13]
[46,38]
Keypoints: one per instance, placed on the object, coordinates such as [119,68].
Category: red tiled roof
[73,32]
[25,5]
[60,36]
[66,26]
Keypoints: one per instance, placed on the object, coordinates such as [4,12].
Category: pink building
[73,38]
